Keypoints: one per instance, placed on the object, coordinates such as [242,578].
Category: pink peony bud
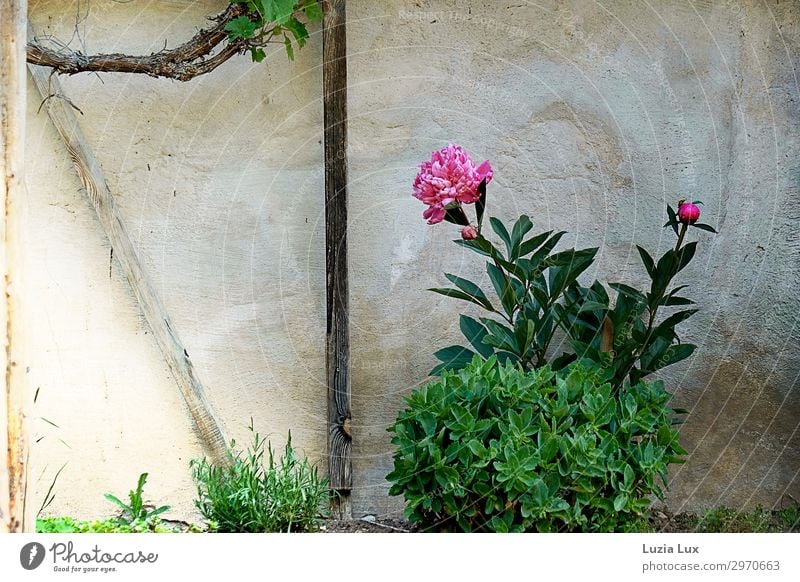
[469,232]
[688,213]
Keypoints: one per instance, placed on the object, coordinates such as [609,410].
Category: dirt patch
[720,520]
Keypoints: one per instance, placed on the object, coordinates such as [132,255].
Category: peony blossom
[688,213]
[448,179]
[469,232]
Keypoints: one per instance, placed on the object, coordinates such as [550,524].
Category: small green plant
[71,525]
[136,511]
[256,493]
[493,447]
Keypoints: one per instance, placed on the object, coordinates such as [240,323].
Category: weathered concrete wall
[220,181]
[594,117]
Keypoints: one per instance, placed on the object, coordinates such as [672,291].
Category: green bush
[251,496]
[493,447]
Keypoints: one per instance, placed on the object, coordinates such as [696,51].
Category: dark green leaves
[521,228]
[471,289]
[269,21]
[647,260]
[475,332]
[312,10]
[706,227]
[480,205]
[452,358]
[456,216]
[673,219]
[499,228]
[497,448]
[537,292]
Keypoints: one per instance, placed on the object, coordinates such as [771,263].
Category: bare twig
[183,63]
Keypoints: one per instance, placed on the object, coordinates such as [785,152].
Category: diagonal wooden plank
[334,80]
[94,183]
[14,396]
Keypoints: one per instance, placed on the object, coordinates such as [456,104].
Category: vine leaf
[241,28]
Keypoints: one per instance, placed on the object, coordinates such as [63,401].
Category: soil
[661,521]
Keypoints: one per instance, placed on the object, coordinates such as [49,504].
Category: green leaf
[477,448]
[534,243]
[501,336]
[669,323]
[471,289]
[480,245]
[117,501]
[428,423]
[676,353]
[673,219]
[240,27]
[452,358]
[475,331]
[620,501]
[628,476]
[275,10]
[289,50]
[501,231]
[312,10]
[257,54]
[634,294]
[456,294]
[686,254]
[298,30]
[647,260]
[502,286]
[706,227]
[521,228]
[480,204]
[592,306]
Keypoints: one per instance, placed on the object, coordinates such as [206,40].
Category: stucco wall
[594,117]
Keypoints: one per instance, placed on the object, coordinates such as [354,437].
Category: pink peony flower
[469,232]
[450,178]
[688,213]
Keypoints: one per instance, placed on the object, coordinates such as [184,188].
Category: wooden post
[94,183]
[334,80]
[15,397]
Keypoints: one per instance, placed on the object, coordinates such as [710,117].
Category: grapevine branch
[185,62]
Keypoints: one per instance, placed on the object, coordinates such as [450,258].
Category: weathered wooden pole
[334,80]
[15,398]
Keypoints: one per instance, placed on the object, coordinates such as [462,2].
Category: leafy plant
[528,278]
[71,525]
[640,343]
[256,493]
[136,510]
[270,21]
[494,447]
[538,292]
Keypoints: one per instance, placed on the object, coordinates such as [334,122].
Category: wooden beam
[15,398]
[334,80]
[95,186]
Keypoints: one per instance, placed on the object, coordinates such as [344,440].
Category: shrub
[493,447]
[251,496]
